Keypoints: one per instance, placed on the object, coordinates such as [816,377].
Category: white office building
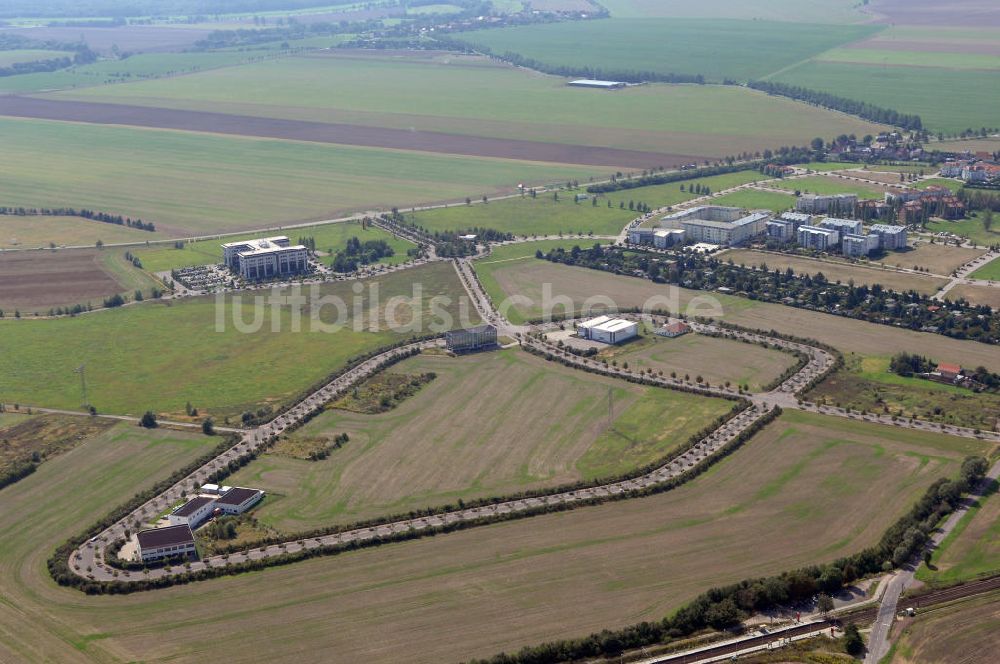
[265,258]
[716,224]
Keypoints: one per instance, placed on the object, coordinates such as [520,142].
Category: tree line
[862,109]
[105,217]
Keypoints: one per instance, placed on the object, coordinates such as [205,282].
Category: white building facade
[266,258]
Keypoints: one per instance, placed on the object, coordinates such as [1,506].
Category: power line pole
[83,383]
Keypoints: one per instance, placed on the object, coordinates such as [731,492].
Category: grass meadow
[807,489]
[161,355]
[812,11]
[989,271]
[488,424]
[471,95]
[328,237]
[195,184]
[716,48]
[971,228]
[972,549]
[831,184]
[581,284]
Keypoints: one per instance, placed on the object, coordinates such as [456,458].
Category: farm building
[265,258]
[607,330]
[597,84]
[169,542]
[472,338]
[193,512]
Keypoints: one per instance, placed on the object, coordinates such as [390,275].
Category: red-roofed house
[949,372]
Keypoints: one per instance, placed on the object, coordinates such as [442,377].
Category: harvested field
[807,490]
[936,258]
[716,360]
[342,134]
[37,232]
[971,145]
[39,280]
[841,271]
[488,424]
[579,284]
[988,295]
[970,625]
[965,13]
[888,178]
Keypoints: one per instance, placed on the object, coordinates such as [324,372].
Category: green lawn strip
[973,564]
[765,200]
[989,271]
[971,228]
[831,184]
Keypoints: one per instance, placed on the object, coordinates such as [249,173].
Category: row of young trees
[861,109]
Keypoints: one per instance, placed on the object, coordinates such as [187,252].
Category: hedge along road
[89,560]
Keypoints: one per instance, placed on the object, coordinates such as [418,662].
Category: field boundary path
[961,275]
[90,559]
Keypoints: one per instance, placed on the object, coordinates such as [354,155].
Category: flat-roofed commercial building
[607,329]
[471,338]
[169,542]
[716,224]
[265,258]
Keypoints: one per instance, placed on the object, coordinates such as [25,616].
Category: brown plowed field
[41,279]
[344,134]
[971,13]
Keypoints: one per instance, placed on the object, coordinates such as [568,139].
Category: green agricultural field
[765,200]
[161,355]
[972,549]
[8,58]
[806,490]
[328,236]
[488,424]
[895,58]
[543,215]
[812,11]
[865,383]
[831,184]
[195,184]
[972,98]
[989,271]
[971,228]
[103,72]
[36,232]
[475,96]
[717,49]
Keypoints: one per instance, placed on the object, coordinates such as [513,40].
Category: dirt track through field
[344,134]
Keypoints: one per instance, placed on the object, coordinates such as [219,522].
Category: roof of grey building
[237,496]
[169,536]
[192,506]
